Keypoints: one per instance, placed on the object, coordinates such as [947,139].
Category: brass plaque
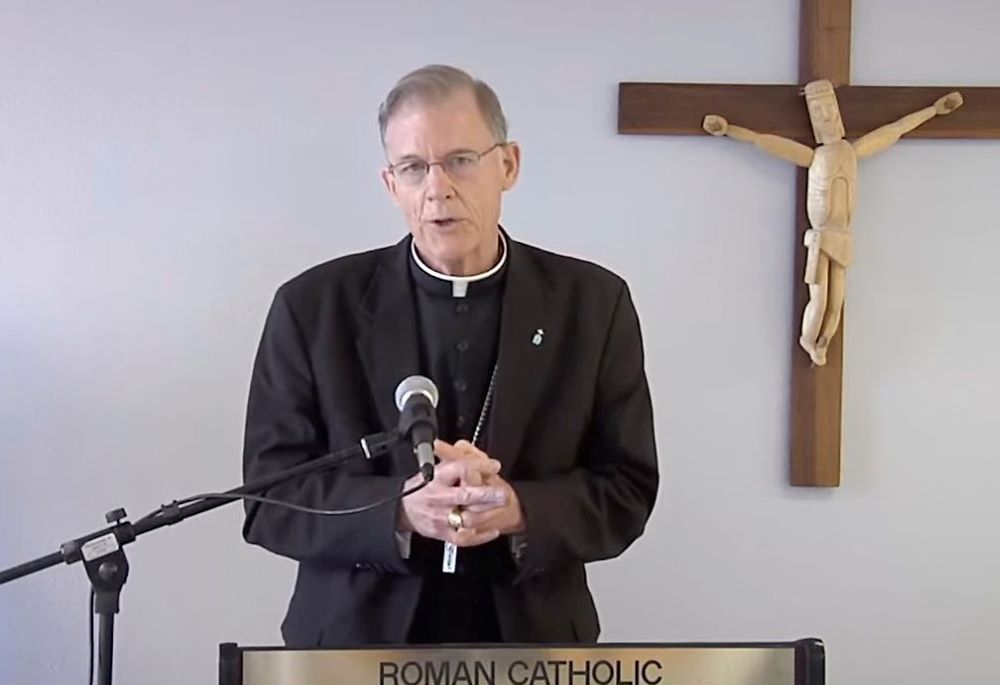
[498,665]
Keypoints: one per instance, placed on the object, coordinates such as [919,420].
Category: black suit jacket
[571,425]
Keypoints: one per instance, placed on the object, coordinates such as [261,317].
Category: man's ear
[511,164]
[389,181]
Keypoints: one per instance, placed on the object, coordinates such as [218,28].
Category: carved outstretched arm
[782,148]
[884,136]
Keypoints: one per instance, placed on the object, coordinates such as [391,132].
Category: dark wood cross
[824,53]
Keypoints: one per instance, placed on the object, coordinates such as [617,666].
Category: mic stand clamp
[107,567]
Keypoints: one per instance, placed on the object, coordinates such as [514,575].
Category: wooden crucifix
[824,53]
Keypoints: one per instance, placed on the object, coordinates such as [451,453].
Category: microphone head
[416,385]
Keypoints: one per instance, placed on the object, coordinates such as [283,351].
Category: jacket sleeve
[284,428]
[598,509]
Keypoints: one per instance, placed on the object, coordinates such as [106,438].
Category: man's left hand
[508,518]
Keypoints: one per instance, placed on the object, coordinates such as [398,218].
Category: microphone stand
[104,559]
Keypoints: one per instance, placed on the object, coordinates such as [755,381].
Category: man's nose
[439,183]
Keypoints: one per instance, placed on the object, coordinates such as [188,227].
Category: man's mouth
[444,223]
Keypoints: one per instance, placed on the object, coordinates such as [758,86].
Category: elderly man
[547,455]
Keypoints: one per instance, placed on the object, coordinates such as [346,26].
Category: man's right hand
[456,483]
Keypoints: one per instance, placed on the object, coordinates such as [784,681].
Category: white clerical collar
[460,284]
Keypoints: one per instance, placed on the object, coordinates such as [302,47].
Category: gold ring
[455,518]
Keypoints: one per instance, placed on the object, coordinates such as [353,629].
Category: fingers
[469,537]
[466,471]
[461,450]
[466,477]
[475,520]
[465,464]
[488,497]
[431,518]
[481,519]
[478,509]
[437,525]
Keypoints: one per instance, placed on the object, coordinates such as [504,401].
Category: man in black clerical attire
[546,445]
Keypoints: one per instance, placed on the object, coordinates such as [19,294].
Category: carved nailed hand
[715,125]
[949,103]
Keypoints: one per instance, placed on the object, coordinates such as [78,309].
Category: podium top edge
[810,643]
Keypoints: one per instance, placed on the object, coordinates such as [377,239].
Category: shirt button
[460,421]
[462,345]
[462,308]
[461,385]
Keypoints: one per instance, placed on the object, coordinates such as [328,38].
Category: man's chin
[452,241]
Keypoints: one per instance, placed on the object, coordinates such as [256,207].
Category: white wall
[164,166]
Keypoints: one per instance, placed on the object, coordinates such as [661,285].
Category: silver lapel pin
[537,339]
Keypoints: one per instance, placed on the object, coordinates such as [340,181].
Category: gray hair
[434,83]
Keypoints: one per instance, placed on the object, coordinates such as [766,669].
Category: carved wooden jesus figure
[831,195]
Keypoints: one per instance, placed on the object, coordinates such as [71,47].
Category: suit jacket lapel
[388,346]
[529,338]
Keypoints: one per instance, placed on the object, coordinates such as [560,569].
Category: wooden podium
[735,663]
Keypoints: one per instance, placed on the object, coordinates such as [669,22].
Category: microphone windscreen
[416,385]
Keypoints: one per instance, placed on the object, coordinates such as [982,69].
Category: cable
[281,503]
[90,615]
[299,507]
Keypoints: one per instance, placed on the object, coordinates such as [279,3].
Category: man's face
[453,215]
[824,113]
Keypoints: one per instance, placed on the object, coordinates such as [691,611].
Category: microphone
[416,399]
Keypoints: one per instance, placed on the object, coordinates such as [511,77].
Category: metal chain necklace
[450,550]
[486,406]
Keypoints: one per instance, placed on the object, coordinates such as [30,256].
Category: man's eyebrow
[417,158]
[409,158]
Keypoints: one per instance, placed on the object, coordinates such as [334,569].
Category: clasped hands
[467,486]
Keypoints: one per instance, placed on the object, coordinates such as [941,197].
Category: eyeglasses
[461,165]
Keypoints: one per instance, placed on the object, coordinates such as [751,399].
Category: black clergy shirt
[458,324]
